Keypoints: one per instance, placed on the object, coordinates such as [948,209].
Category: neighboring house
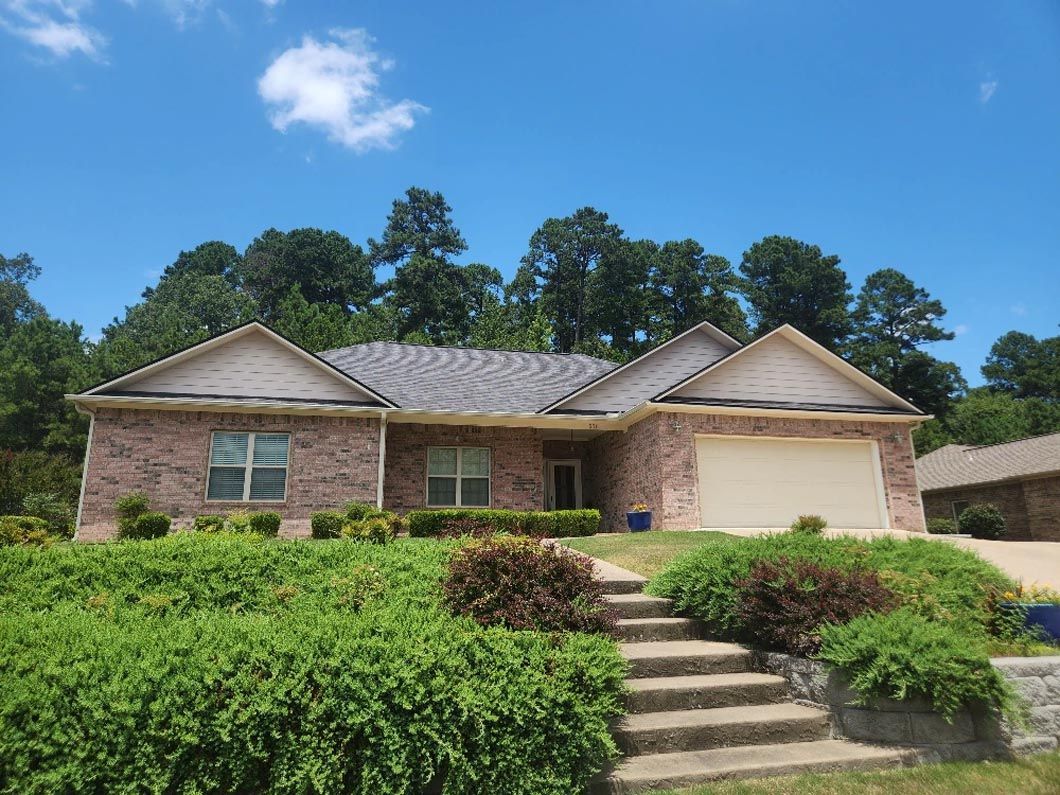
[1021,478]
[708,432]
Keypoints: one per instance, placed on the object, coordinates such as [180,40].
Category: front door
[563,485]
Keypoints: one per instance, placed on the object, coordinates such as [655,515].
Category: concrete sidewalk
[1027,561]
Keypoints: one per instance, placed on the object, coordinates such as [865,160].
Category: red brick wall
[1042,497]
[516,463]
[1031,508]
[655,461]
[165,454]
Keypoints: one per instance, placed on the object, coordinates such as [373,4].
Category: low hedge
[358,521]
[326,668]
[551,524]
[941,526]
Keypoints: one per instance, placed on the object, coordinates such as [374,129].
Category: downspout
[84,468]
[382,461]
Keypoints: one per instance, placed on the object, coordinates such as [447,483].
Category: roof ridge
[467,348]
[1011,441]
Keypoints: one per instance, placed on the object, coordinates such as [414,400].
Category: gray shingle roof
[964,465]
[466,379]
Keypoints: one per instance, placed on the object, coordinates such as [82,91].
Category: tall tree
[16,305]
[325,266]
[316,327]
[180,311]
[418,224]
[213,258]
[788,281]
[430,295]
[620,295]
[893,318]
[564,253]
[690,286]
[42,360]
[1024,366]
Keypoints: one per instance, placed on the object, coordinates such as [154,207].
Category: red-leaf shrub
[783,605]
[516,582]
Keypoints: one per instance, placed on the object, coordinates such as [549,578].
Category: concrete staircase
[699,713]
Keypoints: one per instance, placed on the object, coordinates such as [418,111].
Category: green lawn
[1038,775]
[645,553]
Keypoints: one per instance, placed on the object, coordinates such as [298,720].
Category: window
[957,506]
[248,467]
[458,476]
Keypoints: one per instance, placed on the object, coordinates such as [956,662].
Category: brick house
[1022,478]
[708,432]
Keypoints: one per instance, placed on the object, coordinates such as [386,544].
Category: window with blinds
[248,467]
[458,476]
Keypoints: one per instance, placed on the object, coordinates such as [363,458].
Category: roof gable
[786,368]
[639,380]
[248,362]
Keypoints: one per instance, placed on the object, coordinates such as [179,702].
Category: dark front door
[566,496]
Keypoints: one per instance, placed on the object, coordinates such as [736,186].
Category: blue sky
[924,137]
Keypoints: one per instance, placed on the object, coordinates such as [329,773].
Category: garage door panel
[768,482]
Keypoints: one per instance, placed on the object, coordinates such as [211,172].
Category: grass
[1037,775]
[645,553]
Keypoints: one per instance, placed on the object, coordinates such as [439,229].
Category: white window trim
[248,467]
[488,477]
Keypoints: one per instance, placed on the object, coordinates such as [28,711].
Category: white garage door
[768,482]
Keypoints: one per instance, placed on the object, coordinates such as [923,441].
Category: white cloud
[960,329]
[271,3]
[1018,309]
[53,25]
[986,90]
[334,86]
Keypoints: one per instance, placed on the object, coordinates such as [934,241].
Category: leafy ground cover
[1039,775]
[927,635]
[219,663]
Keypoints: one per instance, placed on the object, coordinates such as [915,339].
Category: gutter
[84,467]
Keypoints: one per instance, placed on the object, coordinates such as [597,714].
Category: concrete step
[622,586]
[651,629]
[638,605]
[684,657]
[659,694]
[686,769]
[701,729]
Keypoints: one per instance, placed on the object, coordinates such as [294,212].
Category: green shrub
[356,511]
[702,582]
[901,655]
[35,472]
[376,530]
[982,521]
[783,605]
[941,526]
[809,523]
[518,583]
[582,522]
[53,509]
[130,505]
[302,667]
[264,523]
[24,531]
[326,524]
[150,524]
[208,523]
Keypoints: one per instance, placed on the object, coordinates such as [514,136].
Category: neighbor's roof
[466,379]
[965,465]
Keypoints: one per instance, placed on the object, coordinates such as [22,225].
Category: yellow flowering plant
[1033,594]
[638,507]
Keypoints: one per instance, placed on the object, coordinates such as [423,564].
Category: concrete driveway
[1028,561]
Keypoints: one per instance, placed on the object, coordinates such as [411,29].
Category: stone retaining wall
[972,734]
